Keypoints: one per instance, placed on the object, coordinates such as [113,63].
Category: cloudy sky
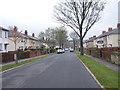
[36,15]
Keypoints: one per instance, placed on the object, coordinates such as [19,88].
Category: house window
[22,40]
[0,47]
[5,47]
[0,33]
[6,35]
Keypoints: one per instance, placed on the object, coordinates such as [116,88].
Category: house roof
[23,35]
[113,31]
[90,40]
[1,28]
[33,38]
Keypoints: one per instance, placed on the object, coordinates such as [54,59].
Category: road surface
[56,71]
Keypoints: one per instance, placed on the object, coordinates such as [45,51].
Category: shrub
[92,47]
[27,51]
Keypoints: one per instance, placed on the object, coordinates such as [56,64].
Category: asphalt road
[57,71]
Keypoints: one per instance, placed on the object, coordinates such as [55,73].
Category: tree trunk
[74,43]
[62,45]
[81,47]
[15,46]
[15,55]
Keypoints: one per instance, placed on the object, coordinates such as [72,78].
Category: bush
[22,55]
[93,48]
[27,51]
[32,49]
[40,49]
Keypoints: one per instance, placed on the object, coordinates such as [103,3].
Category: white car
[71,50]
[59,51]
[66,49]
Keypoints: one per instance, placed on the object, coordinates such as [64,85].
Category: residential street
[57,71]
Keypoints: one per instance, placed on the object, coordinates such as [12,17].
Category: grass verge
[3,68]
[107,77]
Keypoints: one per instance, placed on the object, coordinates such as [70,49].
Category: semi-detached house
[90,42]
[25,41]
[3,39]
[111,38]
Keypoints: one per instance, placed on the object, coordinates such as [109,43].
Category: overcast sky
[36,15]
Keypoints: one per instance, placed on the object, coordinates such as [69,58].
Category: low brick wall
[115,58]
[34,53]
[111,54]
[9,56]
[106,55]
[0,58]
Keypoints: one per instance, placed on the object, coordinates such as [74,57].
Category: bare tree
[54,36]
[50,37]
[41,36]
[15,37]
[61,36]
[75,39]
[80,15]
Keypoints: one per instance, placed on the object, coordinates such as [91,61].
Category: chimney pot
[103,32]
[15,28]
[94,36]
[33,35]
[109,29]
[118,25]
[26,33]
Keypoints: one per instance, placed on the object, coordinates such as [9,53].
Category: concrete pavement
[56,71]
[106,63]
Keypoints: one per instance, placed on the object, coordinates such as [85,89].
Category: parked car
[63,50]
[66,49]
[71,50]
[59,51]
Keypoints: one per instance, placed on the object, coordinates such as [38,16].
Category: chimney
[109,29]
[103,32]
[118,25]
[33,35]
[94,36]
[15,28]
[26,33]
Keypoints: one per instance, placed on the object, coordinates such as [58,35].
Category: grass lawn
[21,63]
[107,77]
